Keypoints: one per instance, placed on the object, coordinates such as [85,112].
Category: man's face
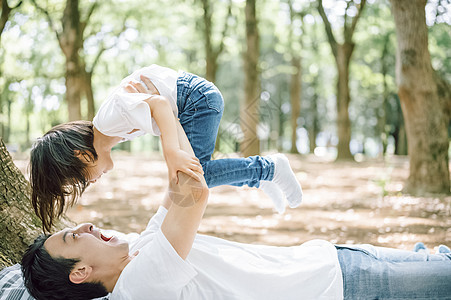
[87,244]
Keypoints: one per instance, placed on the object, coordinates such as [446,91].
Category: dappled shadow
[343,202]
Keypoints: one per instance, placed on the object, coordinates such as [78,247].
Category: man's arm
[186,202]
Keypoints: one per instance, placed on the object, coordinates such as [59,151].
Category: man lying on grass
[170,260]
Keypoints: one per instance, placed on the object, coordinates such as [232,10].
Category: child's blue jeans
[200,106]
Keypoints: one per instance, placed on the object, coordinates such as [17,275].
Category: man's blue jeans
[200,106]
[371,272]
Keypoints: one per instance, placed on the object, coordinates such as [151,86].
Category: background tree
[5,14]
[6,10]
[18,222]
[213,52]
[251,103]
[342,53]
[425,100]
[70,39]
[33,68]
[296,76]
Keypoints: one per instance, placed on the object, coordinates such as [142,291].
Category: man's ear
[80,274]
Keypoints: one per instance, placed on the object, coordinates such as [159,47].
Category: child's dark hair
[55,170]
[47,278]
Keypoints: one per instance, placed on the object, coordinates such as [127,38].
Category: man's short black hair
[47,278]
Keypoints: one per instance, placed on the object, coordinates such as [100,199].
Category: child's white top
[223,270]
[124,112]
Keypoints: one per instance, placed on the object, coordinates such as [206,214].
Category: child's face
[96,169]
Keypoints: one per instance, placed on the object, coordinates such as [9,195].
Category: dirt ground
[345,203]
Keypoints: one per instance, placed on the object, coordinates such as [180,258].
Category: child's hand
[178,160]
[137,87]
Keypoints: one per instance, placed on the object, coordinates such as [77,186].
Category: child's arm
[176,159]
[186,206]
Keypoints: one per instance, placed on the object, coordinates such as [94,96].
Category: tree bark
[6,11]
[295,82]
[382,115]
[212,53]
[315,123]
[71,42]
[211,60]
[315,127]
[87,80]
[425,101]
[295,99]
[18,223]
[250,106]
[342,54]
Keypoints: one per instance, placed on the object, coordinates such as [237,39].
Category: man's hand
[179,160]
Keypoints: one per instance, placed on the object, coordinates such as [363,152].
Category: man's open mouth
[106,239]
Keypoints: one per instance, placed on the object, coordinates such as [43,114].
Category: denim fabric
[371,272]
[200,106]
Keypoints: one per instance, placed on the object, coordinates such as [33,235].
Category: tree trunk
[295,95]
[18,223]
[382,115]
[2,125]
[73,91]
[89,95]
[315,125]
[71,42]
[280,126]
[342,53]
[210,58]
[8,120]
[28,112]
[425,113]
[212,53]
[6,10]
[295,82]
[251,104]
[314,129]
[343,98]
[401,139]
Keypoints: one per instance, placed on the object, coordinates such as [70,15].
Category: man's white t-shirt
[217,269]
[122,112]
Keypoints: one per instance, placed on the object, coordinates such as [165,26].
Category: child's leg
[200,110]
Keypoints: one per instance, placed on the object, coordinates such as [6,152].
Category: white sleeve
[148,234]
[137,112]
[156,221]
[157,270]
[123,112]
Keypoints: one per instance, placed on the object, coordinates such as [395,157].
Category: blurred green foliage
[137,33]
